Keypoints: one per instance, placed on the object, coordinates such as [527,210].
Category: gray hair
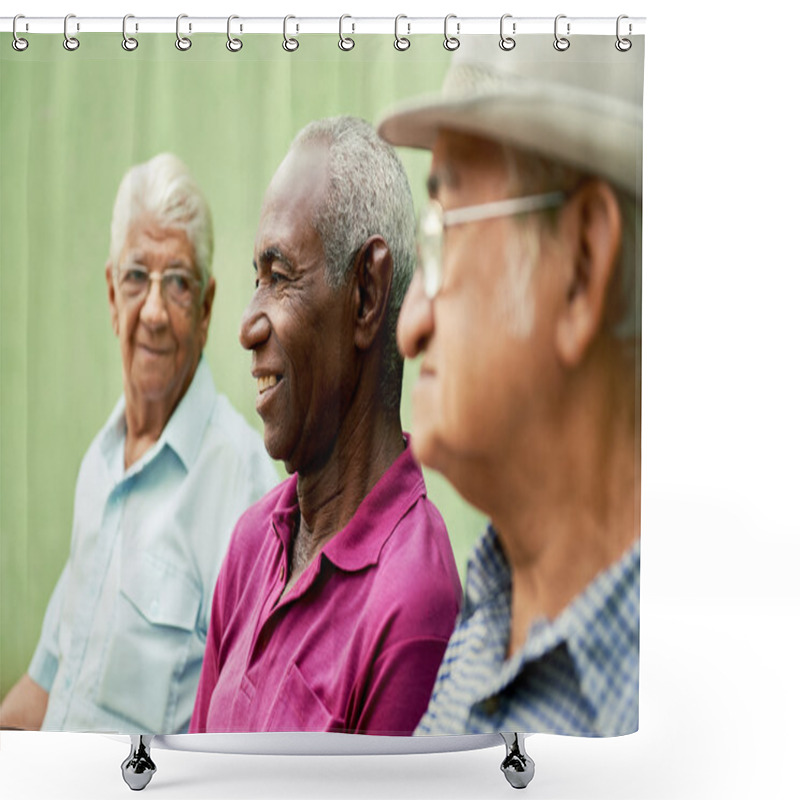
[530,172]
[164,189]
[367,194]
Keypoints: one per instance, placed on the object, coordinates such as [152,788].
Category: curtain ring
[70,42]
[561,43]
[400,42]
[345,42]
[623,45]
[451,42]
[182,42]
[289,44]
[129,43]
[18,43]
[233,44]
[507,42]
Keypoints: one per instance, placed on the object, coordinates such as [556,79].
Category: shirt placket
[274,611]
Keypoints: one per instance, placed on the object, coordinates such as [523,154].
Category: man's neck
[330,495]
[146,418]
[565,502]
[144,423]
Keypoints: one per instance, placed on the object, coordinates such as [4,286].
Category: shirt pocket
[298,708]
[152,662]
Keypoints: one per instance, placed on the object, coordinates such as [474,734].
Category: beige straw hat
[582,106]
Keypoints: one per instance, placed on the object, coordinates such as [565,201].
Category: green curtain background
[71,125]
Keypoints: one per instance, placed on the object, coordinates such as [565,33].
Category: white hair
[530,172]
[164,189]
[367,194]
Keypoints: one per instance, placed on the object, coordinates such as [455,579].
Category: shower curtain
[73,122]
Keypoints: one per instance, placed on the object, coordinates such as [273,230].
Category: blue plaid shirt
[577,674]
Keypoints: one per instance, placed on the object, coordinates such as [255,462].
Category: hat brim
[558,122]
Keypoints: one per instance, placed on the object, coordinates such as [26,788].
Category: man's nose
[154,311]
[415,324]
[255,327]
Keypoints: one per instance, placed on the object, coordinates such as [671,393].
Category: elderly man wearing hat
[526,315]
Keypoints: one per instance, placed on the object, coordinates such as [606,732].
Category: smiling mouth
[154,350]
[268,382]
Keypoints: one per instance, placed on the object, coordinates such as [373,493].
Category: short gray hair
[367,194]
[164,189]
[530,172]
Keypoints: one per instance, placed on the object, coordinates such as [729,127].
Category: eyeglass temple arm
[502,208]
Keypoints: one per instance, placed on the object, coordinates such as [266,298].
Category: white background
[720,698]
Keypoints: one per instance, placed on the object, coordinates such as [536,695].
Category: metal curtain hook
[289,44]
[129,43]
[451,42]
[400,42]
[345,42]
[18,43]
[507,42]
[70,42]
[623,45]
[182,42]
[233,44]
[561,43]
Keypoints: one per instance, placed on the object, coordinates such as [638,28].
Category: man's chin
[277,450]
[425,445]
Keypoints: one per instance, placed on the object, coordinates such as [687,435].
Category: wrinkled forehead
[147,240]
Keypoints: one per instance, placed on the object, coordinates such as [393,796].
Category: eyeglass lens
[177,286]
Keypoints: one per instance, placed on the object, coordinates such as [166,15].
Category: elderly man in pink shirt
[339,591]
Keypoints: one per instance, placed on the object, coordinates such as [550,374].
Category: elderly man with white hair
[158,492]
[525,313]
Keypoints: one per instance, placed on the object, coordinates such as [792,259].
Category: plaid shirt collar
[600,627]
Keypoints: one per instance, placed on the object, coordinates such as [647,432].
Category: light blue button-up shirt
[123,637]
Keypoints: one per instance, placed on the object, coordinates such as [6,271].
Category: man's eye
[177,282]
[270,279]
[135,277]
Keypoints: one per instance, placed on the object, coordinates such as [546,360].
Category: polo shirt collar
[488,575]
[358,545]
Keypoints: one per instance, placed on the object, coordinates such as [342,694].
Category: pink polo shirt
[355,645]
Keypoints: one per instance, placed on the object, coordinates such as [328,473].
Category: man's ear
[112,298]
[590,228]
[373,282]
[205,308]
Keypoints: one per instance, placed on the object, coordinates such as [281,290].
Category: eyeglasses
[178,286]
[434,220]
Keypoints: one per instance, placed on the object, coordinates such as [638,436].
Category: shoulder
[420,535]
[234,445]
[417,568]
[229,426]
[95,464]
